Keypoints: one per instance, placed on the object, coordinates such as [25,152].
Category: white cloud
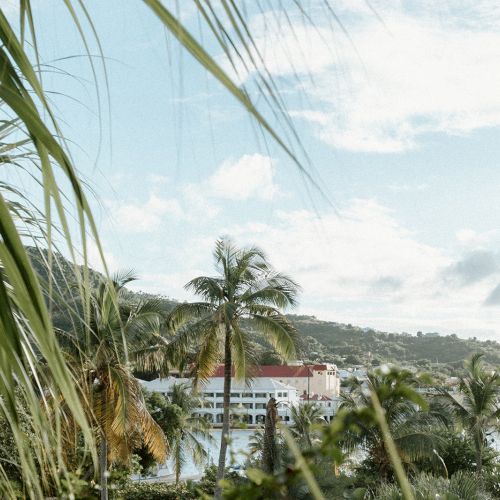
[95,259]
[345,254]
[469,237]
[251,176]
[136,217]
[197,203]
[362,266]
[424,70]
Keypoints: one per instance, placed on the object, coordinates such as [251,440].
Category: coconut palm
[187,429]
[477,406]
[461,486]
[246,287]
[98,352]
[304,418]
[28,335]
[184,436]
[411,421]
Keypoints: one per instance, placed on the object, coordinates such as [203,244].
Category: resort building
[328,405]
[307,379]
[248,400]
[290,385]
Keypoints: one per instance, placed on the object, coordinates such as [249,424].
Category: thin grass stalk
[391,448]
[301,463]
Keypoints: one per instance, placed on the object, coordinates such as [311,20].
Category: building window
[247,405]
[208,394]
[260,406]
[219,395]
[219,405]
[247,395]
[235,395]
[280,394]
[285,394]
[260,395]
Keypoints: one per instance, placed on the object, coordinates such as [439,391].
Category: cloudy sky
[400,118]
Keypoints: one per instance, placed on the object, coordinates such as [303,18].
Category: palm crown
[478,404]
[246,287]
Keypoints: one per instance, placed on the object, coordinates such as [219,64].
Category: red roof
[273,371]
[315,397]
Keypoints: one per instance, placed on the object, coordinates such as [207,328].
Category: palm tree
[477,407]
[246,287]
[30,340]
[270,449]
[185,436]
[98,353]
[304,418]
[411,421]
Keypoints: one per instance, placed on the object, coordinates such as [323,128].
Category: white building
[328,405]
[307,379]
[248,400]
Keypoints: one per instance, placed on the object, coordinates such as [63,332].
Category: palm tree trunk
[479,458]
[269,452]
[177,462]
[225,417]
[479,450]
[103,468]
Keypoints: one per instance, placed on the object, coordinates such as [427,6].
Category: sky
[397,107]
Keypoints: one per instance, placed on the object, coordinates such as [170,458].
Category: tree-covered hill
[64,287]
[348,345]
[326,341]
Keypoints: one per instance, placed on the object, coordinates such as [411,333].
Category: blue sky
[400,120]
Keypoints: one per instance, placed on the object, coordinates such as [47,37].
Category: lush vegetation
[348,345]
[319,341]
[389,440]
[74,422]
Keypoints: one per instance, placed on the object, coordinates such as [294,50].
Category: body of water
[236,454]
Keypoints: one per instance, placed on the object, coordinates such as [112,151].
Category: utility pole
[308,378]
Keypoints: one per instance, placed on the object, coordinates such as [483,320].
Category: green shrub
[155,491]
[461,486]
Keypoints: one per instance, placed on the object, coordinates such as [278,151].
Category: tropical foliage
[67,392]
[245,287]
[187,432]
[477,408]
[306,419]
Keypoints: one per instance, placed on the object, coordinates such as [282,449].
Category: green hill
[326,341]
[347,345]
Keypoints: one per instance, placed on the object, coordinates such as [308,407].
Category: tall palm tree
[26,111]
[98,353]
[477,406]
[304,418]
[246,287]
[411,421]
[270,455]
[185,437]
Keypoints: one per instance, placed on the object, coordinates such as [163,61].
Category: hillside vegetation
[348,345]
[326,341]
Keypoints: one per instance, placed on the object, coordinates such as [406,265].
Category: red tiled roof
[315,397]
[275,371]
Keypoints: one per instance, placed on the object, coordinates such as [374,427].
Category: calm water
[237,450]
